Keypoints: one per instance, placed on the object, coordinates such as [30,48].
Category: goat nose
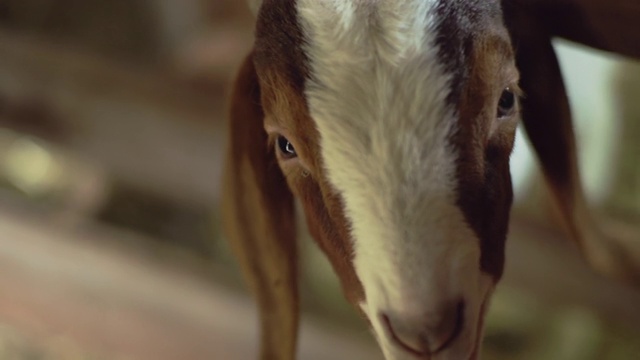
[425,337]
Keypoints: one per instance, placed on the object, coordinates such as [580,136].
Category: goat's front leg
[547,120]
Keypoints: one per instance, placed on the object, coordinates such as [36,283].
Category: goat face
[392,123]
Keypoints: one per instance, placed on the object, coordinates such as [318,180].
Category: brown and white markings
[392,123]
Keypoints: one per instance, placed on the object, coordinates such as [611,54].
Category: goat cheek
[498,196]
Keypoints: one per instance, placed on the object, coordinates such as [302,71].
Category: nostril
[429,337]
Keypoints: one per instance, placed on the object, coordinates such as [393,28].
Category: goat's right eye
[507,103]
[286,147]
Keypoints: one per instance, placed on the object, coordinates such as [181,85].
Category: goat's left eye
[507,103]
[286,147]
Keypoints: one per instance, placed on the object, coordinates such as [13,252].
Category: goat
[392,123]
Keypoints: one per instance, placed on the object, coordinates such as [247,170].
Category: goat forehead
[362,30]
[378,95]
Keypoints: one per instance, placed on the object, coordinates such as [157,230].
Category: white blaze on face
[378,97]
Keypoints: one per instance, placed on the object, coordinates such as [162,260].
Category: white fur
[377,96]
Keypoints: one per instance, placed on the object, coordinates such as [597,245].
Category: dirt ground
[79,295]
[70,295]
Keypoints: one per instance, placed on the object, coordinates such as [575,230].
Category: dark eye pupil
[506,103]
[286,147]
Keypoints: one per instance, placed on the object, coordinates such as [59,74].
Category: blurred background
[112,130]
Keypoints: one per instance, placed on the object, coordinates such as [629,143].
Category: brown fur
[484,144]
[282,80]
[478,52]
[286,110]
[610,25]
[258,202]
[259,219]
[546,113]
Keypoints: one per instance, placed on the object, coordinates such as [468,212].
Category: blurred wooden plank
[55,282]
[147,128]
[543,263]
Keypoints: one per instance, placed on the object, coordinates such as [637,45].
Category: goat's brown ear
[547,120]
[610,25]
[259,220]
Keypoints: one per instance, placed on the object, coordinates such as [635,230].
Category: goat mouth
[399,342]
[428,353]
